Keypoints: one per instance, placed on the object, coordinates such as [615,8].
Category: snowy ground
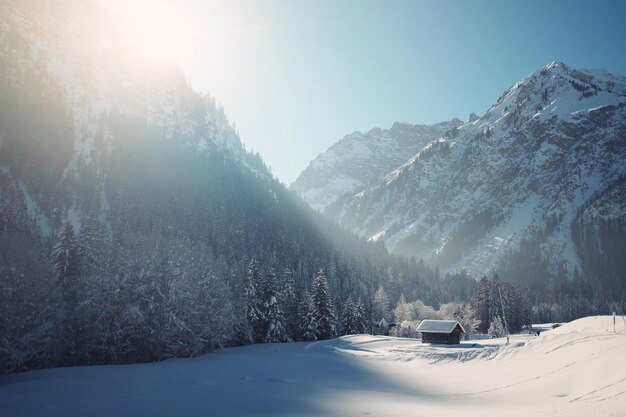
[578,369]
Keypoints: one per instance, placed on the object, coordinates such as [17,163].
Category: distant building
[445,332]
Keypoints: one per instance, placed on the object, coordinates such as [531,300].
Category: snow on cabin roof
[438,326]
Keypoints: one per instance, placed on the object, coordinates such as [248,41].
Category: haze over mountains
[539,177]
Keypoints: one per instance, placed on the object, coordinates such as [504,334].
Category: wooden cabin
[443,332]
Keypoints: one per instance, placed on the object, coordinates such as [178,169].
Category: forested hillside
[135,226]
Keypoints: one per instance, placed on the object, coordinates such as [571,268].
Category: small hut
[445,332]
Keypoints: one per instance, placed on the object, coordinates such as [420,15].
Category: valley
[574,370]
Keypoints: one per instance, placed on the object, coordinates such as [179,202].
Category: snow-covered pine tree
[29,313]
[482,304]
[290,302]
[348,322]
[93,244]
[215,311]
[510,305]
[307,326]
[273,311]
[524,308]
[495,306]
[496,328]
[56,220]
[465,315]
[325,318]
[152,291]
[360,316]
[66,263]
[517,306]
[252,305]
[65,258]
[381,313]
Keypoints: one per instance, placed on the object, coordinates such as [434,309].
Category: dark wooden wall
[453,338]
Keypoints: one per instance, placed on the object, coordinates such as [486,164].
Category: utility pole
[506,326]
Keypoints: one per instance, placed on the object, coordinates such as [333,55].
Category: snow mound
[595,324]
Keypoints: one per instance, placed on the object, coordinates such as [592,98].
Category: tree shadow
[259,380]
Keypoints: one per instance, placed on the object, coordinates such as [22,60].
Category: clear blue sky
[297,75]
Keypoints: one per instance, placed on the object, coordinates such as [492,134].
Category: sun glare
[218,44]
[155,33]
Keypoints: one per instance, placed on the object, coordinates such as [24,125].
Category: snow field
[578,369]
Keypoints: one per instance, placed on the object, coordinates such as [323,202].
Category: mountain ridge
[544,148]
[361,157]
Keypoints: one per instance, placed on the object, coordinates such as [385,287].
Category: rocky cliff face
[360,158]
[548,156]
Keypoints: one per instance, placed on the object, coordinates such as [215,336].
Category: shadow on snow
[257,380]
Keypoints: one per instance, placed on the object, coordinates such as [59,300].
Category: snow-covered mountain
[540,170]
[76,54]
[359,158]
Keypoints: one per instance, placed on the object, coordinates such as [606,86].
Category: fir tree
[65,258]
[525,309]
[516,307]
[381,313]
[306,311]
[252,305]
[66,264]
[325,318]
[276,329]
[93,245]
[482,304]
[353,319]
[360,316]
[510,305]
[495,304]
[348,322]
[496,328]
[466,316]
[218,308]
[290,302]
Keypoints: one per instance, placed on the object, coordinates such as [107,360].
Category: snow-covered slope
[575,370]
[528,169]
[359,158]
[76,50]
[77,104]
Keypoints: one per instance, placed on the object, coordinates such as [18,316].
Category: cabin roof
[439,326]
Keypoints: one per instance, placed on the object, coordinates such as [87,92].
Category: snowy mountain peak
[554,64]
[548,151]
[557,93]
[360,158]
